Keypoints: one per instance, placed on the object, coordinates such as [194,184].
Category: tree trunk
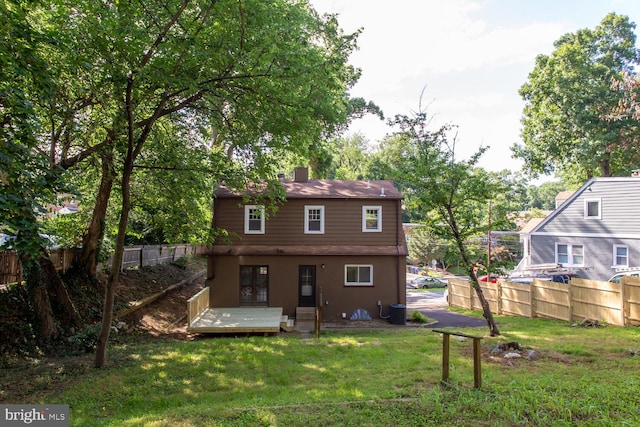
[63,308]
[39,297]
[114,275]
[88,260]
[605,167]
[47,291]
[486,309]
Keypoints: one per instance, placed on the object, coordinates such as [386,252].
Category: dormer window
[253,219]
[371,219]
[592,209]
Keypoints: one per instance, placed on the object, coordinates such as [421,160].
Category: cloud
[471,56]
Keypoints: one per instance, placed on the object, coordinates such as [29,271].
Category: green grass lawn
[381,377]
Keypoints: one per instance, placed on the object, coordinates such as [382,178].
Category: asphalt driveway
[432,304]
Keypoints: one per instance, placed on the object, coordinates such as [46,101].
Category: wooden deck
[225,320]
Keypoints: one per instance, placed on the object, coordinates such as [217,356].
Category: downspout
[210,257]
[398,225]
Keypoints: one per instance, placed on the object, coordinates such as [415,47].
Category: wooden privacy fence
[144,255]
[614,303]
[134,256]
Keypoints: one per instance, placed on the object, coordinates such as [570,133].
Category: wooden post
[477,356]
[477,359]
[445,357]
[318,318]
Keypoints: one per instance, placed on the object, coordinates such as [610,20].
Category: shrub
[416,316]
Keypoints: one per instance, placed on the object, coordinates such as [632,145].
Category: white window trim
[569,254]
[615,256]
[369,283]
[247,208]
[586,210]
[364,219]
[307,208]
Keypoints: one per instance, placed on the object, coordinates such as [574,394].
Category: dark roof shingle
[331,189]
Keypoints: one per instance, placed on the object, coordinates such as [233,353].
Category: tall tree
[568,95]
[265,75]
[453,195]
[28,177]
[247,78]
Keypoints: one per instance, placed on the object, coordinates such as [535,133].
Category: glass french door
[254,285]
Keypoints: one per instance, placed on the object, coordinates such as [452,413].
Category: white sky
[470,56]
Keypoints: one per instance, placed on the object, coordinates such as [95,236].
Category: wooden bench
[477,372]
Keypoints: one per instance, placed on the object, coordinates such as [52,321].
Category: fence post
[570,295]
[623,305]
[532,299]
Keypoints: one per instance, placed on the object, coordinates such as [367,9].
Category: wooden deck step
[305,313]
[286,324]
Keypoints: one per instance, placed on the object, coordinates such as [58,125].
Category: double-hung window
[592,209]
[314,219]
[620,256]
[358,275]
[371,218]
[569,255]
[253,219]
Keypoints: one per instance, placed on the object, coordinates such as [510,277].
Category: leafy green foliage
[543,197]
[461,202]
[569,99]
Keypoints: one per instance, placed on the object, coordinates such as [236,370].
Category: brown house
[334,244]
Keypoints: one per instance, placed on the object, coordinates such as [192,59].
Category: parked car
[555,277]
[493,278]
[617,278]
[563,278]
[425,282]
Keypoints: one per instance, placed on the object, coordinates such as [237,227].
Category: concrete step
[305,313]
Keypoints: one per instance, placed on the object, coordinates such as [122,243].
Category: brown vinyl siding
[283,283]
[285,246]
[343,223]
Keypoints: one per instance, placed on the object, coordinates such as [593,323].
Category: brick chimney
[301,174]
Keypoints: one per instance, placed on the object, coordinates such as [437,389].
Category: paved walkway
[433,305]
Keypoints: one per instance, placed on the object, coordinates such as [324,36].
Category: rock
[532,355]
[590,323]
[512,355]
[497,349]
[506,347]
[121,325]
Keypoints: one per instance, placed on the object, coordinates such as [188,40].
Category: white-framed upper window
[592,209]
[253,219]
[358,275]
[314,219]
[620,256]
[569,255]
[371,218]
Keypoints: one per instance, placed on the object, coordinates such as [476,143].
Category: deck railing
[197,304]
